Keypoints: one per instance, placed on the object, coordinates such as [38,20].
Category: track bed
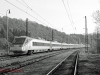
[42,67]
[67,67]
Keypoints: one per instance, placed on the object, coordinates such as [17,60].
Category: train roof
[43,41]
[38,40]
[33,39]
[56,43]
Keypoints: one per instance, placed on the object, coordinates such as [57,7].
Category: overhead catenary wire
[26,5]
[24,11]
[75,22]
[79,20]
[21,3]
[69,11]
[71,16]
[27,13]
[68,15]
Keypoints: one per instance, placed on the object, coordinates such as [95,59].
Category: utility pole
[86,35]
[91,41]
[26,26]
[62,36]
[97,41]
[78,40]
[68,39]
[52,34]
[7,30]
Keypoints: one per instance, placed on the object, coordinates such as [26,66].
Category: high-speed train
[27,45]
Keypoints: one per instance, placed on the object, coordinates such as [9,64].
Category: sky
[52,13]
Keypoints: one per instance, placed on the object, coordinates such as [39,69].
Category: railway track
[41,67]
[9,57]
[18,65]
[68,66]
[2,58]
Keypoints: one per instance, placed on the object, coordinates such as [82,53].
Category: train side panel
[24,44]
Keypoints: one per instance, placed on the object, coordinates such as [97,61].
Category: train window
[19,40]
[26,41]
[44,44]
[35,44]
[40,44]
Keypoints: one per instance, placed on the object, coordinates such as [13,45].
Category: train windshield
[19,40]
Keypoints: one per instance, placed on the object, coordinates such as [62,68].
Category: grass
[3,52]
[89,64]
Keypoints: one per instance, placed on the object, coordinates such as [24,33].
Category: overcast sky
[53,11]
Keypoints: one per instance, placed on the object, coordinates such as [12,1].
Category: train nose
[16,48]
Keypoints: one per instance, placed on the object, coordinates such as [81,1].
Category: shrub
[3,43]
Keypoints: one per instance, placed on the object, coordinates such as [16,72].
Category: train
[28,45]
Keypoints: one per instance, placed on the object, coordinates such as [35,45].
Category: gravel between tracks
[22,59]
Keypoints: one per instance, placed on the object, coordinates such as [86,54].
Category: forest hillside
[17,27]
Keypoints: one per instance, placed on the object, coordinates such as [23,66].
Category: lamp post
[7,30]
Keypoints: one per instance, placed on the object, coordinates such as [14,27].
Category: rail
[76,64]
[59,64]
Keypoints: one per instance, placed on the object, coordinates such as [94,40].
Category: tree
[96,16]
[3,32]
[17,27]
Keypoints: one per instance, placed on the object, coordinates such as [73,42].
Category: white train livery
[27,45]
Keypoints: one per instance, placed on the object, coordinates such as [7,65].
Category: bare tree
[96,16]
